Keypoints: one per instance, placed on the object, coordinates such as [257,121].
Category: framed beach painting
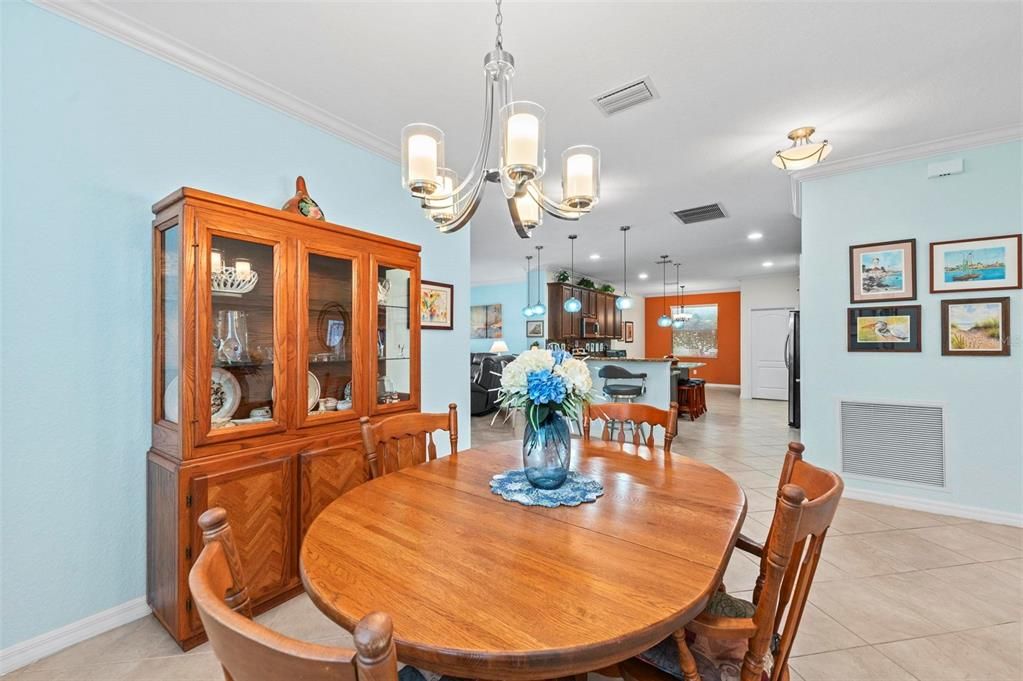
[894,328]
[988,264]
[436,305]
[975,326]
[883,271]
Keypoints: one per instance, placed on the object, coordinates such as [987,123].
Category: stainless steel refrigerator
[792,364]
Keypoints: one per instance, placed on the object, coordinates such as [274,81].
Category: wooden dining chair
[732,632]
[406,440]
[248,651]
[612,413]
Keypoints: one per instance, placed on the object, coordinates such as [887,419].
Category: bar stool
[621,392]
[691,399]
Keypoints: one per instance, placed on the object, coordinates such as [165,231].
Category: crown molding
[113,23]
[898,155]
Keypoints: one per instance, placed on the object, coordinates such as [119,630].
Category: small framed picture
[975,326]
[628,331]
[534,328]
[884,329]
[883,271]
[436,305]
[988,264]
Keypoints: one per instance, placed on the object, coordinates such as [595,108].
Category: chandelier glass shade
[520,160]
[803,153]
[573,304]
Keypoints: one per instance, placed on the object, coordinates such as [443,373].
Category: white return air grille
[900,442]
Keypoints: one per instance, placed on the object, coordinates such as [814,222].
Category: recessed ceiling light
[754,236]
[594,256]
[643,275]
[768,263]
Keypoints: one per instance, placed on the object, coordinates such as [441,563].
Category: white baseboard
[722,385]
[26,652]
[938,507]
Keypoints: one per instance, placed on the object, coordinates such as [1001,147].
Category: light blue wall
[512,298]
[982,395]
[93,133]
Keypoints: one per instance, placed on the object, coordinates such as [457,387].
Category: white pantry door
[768,330]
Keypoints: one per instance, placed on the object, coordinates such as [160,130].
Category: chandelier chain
[498,20]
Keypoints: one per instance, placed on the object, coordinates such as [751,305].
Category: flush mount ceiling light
[573,304]
[754,236]
[624,301]
[643,275]
[450,204]
[768,264]
[803,153]
[594,256]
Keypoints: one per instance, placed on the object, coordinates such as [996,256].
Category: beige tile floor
[900,595]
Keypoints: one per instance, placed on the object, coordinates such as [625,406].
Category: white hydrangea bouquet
[547,386]
[542,383]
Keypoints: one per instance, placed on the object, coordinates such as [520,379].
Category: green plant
[607,288]
[958,341]
[586,283]
[562,277]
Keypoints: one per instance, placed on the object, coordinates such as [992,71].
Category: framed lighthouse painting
[988,264]
[893,328]
[883,271]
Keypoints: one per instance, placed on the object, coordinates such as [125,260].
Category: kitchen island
[662,377]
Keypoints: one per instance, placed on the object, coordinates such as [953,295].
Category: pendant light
[664,321]
[527,311]
[624,301]
[573,304]
[539,310]
[678,322]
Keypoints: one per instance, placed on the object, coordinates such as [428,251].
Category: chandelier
[451,203]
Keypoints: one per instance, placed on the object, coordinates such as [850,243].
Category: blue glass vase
[547,452]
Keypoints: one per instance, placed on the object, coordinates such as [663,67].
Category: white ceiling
[733,78]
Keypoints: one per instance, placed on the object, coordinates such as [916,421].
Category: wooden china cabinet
[273,334]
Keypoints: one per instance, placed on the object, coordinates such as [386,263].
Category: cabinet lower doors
[261,509]
[326,474]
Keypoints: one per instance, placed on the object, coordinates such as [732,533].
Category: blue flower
[560,356]
[543,387]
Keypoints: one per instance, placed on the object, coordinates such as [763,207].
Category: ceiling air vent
[625,96]
[712,211]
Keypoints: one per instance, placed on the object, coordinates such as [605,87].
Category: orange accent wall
[721,369]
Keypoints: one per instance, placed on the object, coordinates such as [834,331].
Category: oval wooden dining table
[484,588]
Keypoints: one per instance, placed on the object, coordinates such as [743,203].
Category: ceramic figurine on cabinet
[302,203]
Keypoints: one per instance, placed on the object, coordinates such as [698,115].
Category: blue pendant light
[527,311]
[539,310]
[573,304]
[678,322]
[664,321]
[624,301]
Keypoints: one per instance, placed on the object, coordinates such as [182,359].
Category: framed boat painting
[975,326]
[988,264]
[883,271]
[884,329]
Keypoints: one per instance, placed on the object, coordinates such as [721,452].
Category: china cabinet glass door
[329,386]
[397,338]
[239,358]
[168,315]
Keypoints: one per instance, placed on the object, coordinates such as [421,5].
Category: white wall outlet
[945,168]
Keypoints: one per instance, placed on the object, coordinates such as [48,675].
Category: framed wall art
[628,331]
[486,321]
[987,264]
[436,305]
[534,328]
[975,326]
[894,328]
[884,271]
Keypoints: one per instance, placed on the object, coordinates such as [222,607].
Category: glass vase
[547,452]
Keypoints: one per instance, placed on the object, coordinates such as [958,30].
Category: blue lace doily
[513,486]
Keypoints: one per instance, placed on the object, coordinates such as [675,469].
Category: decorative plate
[313,392]
[170,401]
[225,395]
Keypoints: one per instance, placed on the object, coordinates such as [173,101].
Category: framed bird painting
[884,329]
